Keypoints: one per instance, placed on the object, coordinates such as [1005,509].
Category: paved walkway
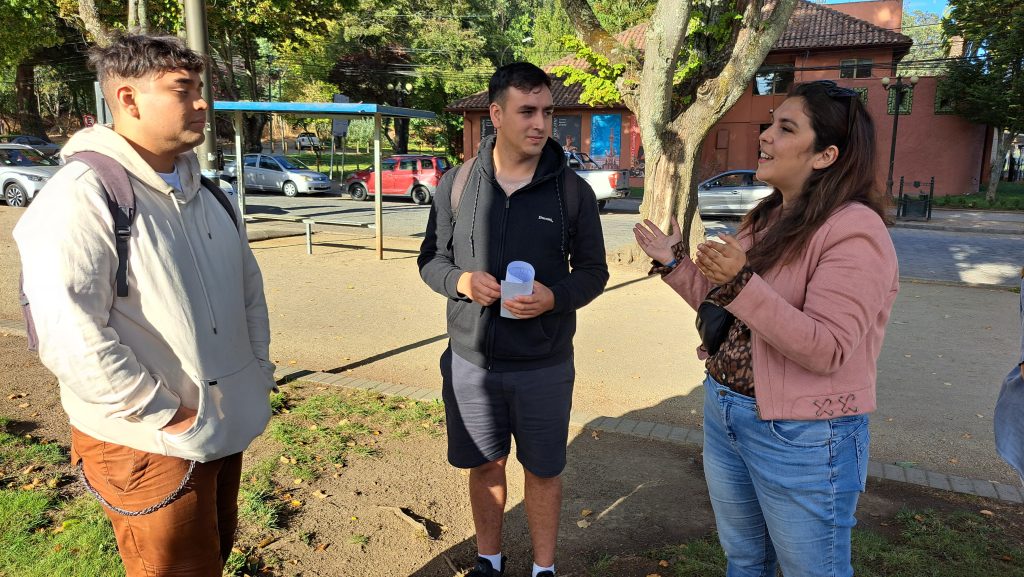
[980,221]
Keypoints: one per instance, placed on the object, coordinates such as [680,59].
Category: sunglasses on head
[833,90]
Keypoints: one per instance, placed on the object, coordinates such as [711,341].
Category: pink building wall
[928,143]
[886,14]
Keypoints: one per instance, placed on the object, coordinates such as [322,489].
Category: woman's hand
[721,262]
[655,243]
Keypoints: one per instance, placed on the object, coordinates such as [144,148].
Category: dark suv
[411,175]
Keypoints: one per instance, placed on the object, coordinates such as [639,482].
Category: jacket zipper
[501,259]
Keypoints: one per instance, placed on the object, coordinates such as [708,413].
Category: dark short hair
[139,56]
[521,75]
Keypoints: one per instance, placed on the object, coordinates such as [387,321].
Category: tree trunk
[93,25]
[401,136]
[1003,140]
[27,104]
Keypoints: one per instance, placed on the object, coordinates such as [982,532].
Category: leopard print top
[733,364]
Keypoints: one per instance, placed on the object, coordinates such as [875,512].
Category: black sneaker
[485,569]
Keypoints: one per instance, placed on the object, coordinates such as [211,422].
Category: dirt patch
[640,496]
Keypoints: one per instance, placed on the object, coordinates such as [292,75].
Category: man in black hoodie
[505,377]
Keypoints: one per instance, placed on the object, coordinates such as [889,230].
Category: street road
[990,259]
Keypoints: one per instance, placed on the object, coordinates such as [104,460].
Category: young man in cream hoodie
[167,386]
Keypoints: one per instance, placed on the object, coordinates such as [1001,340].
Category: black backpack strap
[222,198]
[459,186]
[572,201]
[120,200]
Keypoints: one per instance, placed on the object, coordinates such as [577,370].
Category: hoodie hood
[103,139]
[551,164]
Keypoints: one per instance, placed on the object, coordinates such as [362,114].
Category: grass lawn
[1009,196]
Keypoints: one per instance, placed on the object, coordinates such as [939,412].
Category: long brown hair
[837,118]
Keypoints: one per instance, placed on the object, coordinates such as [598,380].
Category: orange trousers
[192,536]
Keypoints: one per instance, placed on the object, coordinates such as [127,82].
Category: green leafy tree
[986,85]
[697,59]
[927,55]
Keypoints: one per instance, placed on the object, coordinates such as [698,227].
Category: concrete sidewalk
[976,221]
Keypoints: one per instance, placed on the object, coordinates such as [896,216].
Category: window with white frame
[855,68]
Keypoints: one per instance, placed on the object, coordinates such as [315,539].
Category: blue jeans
[783,492]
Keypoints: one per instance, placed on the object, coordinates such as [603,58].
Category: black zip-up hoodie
[494,229]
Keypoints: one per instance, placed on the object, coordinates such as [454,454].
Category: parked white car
[307,140]
[606,183]
[23,172]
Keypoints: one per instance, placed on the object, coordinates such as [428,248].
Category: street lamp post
[401,90]
[270,96]
[899,87]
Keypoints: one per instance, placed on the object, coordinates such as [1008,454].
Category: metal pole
[270,96]
[197,38]
[331,175]
[898,87]
[342,169]
[378,186]
[239,164]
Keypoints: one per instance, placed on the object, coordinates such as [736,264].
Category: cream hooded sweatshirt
[193,329]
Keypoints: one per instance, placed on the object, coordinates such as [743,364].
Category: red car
[410,175]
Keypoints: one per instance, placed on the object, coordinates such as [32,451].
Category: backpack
[121,201]
[572,194]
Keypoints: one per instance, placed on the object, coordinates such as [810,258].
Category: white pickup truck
[606,183]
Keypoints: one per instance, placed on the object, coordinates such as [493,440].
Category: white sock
[537,569]
[494,559]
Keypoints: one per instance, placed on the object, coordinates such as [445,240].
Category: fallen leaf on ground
[594,435]
[320,494]
[663,563]
[582,524]
[266,542]
[15,396]
[987,513]
[295,503]
[24,406]
[586,513]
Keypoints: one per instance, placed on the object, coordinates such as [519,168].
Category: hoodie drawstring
[195,261]
[202,207]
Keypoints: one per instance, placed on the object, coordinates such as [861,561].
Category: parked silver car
[731,193]
[23,172]
[278,173]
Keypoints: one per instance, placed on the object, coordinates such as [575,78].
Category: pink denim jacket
[817,324]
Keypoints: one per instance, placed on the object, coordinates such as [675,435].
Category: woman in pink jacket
[809,281]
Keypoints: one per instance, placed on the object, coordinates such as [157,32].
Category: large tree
[696,61]
[986,84]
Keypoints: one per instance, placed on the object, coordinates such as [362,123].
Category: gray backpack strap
[459,186]
[120,200]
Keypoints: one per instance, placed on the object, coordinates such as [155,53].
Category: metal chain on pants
[165,502]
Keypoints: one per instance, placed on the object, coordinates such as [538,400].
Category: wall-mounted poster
[606,139]
[567,131]
[486,127]
[636,149]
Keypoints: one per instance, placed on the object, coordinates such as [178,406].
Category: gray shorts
[485,410]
